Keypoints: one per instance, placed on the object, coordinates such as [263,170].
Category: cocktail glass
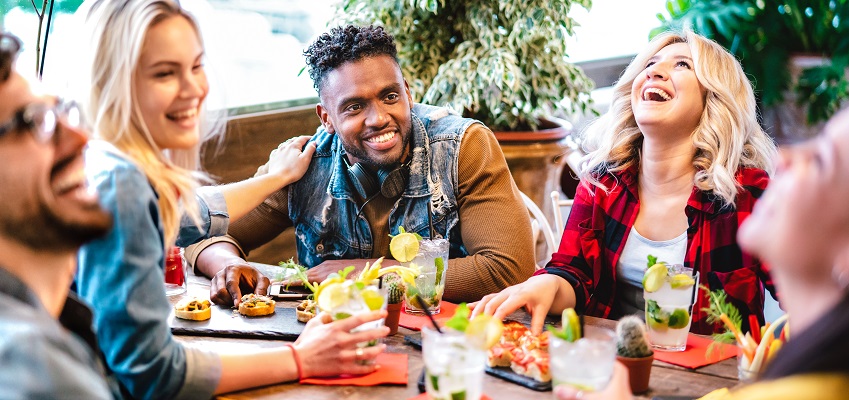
[454,365]
[587,363]
[669,309]
[358,299]
[432,258]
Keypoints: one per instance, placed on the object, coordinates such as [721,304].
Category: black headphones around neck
[389,183]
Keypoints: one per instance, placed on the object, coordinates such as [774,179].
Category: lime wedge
[484,331]
[679,319]
[404,247]
[332,296]
[372,298]
[571,324]
[654,277]
[681,281]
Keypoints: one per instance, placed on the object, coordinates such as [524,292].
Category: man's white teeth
[183,114]
[659,94]
[70,181]
[382,138]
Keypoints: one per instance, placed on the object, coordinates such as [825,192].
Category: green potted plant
[502,62]
[394,300]
[796,52]
[633,350]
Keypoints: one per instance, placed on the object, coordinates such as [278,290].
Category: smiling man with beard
[47,347]
[380,161]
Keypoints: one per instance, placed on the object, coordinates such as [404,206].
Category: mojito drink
[587,363]
[432,259]
[351,298]
[669,298]
[454,365]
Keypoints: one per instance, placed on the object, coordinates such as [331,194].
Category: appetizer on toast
[255,305]
[523,352]
[194,309]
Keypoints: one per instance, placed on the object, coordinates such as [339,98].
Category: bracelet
[297,361]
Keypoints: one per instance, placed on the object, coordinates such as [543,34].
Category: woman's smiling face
[667,92]
[170,83]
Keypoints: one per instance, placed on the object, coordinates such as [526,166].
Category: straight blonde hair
[727,138]
[118,29]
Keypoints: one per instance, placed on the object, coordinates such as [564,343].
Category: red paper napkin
[393,371]
[424,396]
[415,322]
[695,355]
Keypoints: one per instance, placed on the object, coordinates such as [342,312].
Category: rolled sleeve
[193,251]
[203,371]
[216,207]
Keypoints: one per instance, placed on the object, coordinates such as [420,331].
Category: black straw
[424,306]
[430,220]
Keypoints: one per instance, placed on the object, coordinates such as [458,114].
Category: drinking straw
[424,307]
[430,219]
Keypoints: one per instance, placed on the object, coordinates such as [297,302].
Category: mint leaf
[460,320]
[652,260]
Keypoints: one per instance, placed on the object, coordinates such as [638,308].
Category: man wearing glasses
[47,348]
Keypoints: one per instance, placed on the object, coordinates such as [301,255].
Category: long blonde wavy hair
[727,138]
[117,30]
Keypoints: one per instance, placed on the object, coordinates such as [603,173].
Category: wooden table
[666,379]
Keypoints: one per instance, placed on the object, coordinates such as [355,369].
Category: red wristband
[297,361]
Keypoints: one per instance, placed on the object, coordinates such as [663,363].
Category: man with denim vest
[379,161]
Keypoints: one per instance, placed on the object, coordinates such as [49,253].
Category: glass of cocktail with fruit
[430,257]
[669,292]
[455,357]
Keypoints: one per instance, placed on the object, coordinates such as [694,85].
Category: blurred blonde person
[148,87]
[674,167]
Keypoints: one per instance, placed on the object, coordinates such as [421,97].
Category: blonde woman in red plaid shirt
[674,167]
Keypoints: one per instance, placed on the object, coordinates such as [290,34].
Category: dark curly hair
[346,44]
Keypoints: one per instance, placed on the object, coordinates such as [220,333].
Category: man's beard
[48,231]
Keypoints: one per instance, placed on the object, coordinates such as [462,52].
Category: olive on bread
[192,308]
[255,305]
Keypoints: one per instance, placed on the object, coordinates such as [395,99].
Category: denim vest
[323,206]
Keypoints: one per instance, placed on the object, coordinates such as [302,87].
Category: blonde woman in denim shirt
[147,93]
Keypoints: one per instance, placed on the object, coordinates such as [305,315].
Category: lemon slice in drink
[654,277]
[373,299]
[681,281]
[332,296]
[404,247]
[484,331]
[571,324]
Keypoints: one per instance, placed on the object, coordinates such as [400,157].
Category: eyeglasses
[9,48]
[41,119]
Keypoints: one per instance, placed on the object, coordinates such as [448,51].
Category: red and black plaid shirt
[599,224]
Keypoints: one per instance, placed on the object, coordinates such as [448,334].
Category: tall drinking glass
[432,258]
[352,298]
[454,365]
[587,363]
[669,309]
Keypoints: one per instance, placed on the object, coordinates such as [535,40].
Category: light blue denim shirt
[121,275]
[39,358]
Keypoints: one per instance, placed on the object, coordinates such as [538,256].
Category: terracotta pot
[392,317]
[639,372]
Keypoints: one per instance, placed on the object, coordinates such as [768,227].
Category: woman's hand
[617,389]
[289,160]
[537,295]
[328,348]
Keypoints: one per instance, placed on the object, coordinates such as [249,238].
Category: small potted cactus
[395,299]
[634,352]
